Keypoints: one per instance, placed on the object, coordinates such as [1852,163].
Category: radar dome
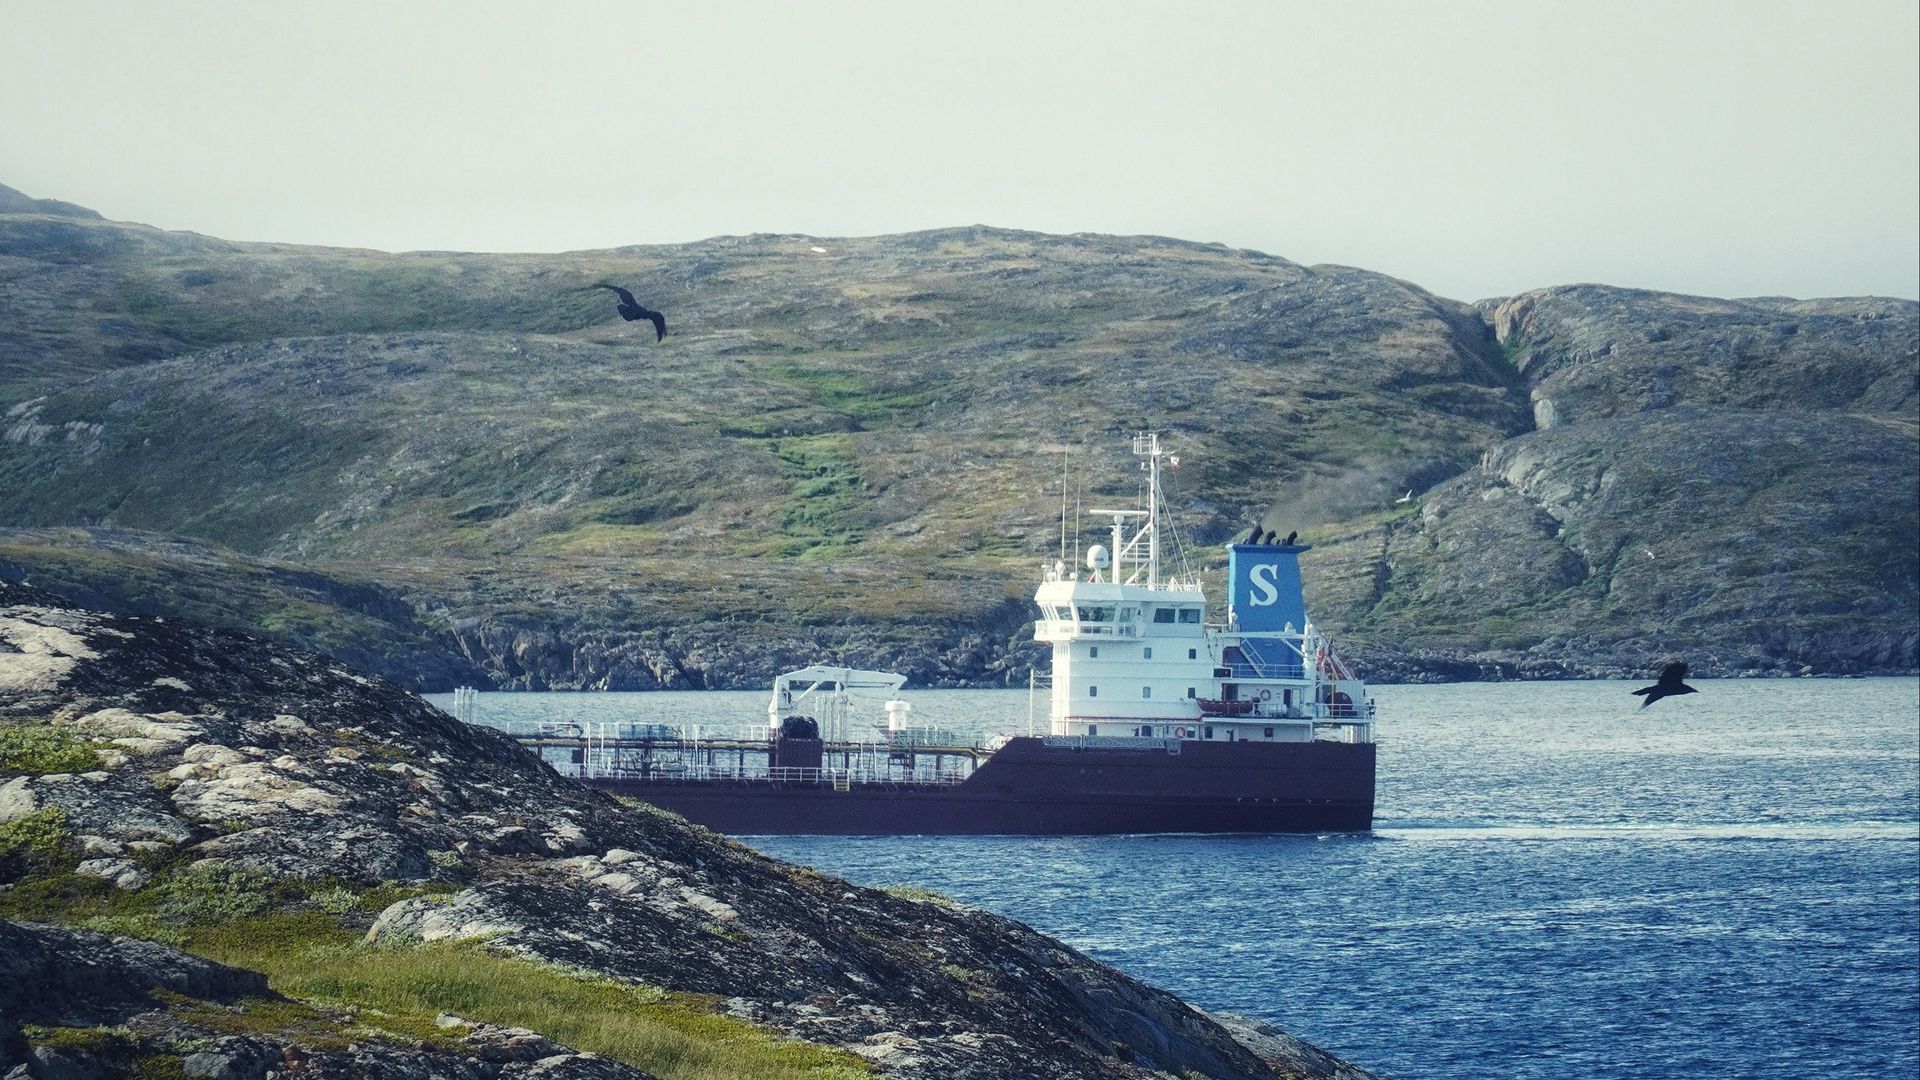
[1097,557]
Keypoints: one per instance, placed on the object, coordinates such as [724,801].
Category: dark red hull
[1030,788]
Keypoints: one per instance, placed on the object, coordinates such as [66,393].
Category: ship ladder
[842,781]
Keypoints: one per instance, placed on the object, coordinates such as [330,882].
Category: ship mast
[1142,551]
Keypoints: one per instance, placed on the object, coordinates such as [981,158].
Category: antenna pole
[1153,511]
[1063,505]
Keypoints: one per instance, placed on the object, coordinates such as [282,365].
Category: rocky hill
[853,449]
[231,856]
[360,622]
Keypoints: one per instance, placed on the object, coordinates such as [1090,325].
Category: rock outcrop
[219,757]
[1729,481]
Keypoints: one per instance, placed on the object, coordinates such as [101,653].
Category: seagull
[1407,498]
[1670,684]
[631,310]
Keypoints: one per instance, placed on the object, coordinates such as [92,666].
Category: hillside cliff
[314,836]
[853,449]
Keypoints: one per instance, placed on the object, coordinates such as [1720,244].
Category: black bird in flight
[1670,684]
[631,310]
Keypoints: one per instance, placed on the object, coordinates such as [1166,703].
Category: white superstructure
[1135,657]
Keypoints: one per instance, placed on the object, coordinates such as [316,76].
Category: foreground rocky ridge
[212,756]
[836,455]
[55,979]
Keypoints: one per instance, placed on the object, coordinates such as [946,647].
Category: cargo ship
[1158,720]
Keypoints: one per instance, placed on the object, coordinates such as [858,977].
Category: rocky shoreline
[177,798]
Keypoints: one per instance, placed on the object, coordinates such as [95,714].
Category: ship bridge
[1120,630]
[1134,655]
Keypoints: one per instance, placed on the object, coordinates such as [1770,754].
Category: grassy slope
[482,431]
[855,412]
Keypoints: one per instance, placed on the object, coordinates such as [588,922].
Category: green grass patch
[850,395]
[338,988]
[827,491]
[921,896]
[35,843]
[402,988]
[175,902]
[87,1040]
[1507,357]
[44,749]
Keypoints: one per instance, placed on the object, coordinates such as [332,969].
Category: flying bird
[631,310]
[1670,685]
[1407,498]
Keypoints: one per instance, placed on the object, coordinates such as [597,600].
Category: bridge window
[1193,654]
[1190,615]
[1146,691]
[1190,693]
[1164,614]
[1146,653]
[1093,691]
[1093,652]
[1097,614]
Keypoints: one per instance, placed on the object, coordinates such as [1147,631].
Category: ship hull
[1029,787]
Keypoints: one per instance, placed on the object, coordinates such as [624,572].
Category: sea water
[1558,884]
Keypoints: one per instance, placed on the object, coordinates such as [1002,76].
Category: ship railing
[1105,742]
[1273,713]
[1343,732]
[1101,628]
[838,778]
[1294,672]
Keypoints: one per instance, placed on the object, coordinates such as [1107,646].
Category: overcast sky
[1479,148]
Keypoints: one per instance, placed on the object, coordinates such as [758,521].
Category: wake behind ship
[1159,721]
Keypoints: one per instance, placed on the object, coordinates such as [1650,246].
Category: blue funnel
[1263,594]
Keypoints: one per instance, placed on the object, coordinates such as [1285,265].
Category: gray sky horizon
[1478,148]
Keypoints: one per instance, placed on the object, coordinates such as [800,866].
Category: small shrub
[40,749]
[215,894]
[921,896]
[161,1067]
[35,843]
[335,899]
[86,1040]
[381,897]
